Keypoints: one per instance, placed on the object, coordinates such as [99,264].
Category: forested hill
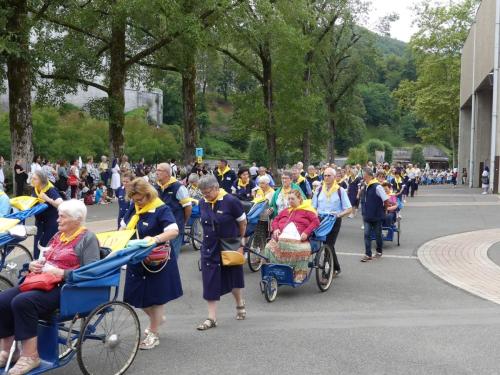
[370,111]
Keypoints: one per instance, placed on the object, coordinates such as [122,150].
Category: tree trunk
[331,133]
[117,81]
[189,110]
[267,88]
[19,80]
[306,137]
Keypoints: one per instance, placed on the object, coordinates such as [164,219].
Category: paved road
[390,316]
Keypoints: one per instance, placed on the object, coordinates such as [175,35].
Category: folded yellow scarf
[139,211]
[222,173]
[65,239]
[169,182]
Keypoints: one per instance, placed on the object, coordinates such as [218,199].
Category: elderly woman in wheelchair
[71,247]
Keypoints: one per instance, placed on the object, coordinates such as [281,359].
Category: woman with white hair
[72,247]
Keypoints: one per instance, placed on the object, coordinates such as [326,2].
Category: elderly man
[330,198]
[374,202]
[301,181]
[263,172]
[176,196]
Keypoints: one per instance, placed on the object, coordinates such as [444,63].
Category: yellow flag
[115,240]
[6,224]
[24,202]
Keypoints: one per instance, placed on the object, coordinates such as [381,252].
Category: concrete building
[134,98]
[433,155]
[479,134]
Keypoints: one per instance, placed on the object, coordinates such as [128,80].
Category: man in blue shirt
[330,198]
[4,204]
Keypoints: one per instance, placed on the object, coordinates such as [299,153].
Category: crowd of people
[156,202]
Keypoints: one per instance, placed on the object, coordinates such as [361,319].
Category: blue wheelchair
[390,231]
[13,255]
[321,261]
[257,235]
[93,323]
[194,230]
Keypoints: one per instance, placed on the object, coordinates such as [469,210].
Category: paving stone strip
[462,260]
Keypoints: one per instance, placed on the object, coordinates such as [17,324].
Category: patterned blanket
[294,253]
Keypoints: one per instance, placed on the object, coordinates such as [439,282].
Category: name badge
[170,192]
[145,224]
[228,178]
[220,212]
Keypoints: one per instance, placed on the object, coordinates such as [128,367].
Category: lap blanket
[294,253]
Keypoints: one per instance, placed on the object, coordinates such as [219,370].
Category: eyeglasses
[328,175]
[207,192]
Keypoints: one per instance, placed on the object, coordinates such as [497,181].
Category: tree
[417,155]
[435,96]
[104,44]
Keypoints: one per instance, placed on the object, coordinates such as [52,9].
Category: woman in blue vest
[148,286]
[46,222]
[244,188]
[374,201]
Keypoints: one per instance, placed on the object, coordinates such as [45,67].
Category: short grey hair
[193,178]
[265,179]
[333,171]
[287,173]
[44,179]
[368,171]
[74,208]
[166,166]
[208,182]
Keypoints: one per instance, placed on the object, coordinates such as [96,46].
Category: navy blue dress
[144,288]
[46,222]
[219,222]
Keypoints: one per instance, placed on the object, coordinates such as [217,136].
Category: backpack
[88,199]
[338,192]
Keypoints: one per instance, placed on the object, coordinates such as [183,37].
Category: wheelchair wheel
[109,339]
[5,283]
[64,350]
[399,230]
[324,268]
[16,257]
[197,234]
[257,243]
[271,289]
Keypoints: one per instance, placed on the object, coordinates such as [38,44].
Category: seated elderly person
[291,229]
[193,189]
[71,247]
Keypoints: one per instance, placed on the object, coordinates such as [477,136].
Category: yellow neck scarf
[219,196]
[65,239]
[305,205]
[1,193]
[260,195]
[300,179]
[332,190]
[313,175]
[139,211]
[373,181]
[44,190]
[242,184]
[398,180]
[222,173]
[169,182]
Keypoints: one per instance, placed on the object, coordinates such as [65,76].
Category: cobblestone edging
[462,260]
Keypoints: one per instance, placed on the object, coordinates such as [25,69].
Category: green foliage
[215,148]
[388,152]
[257,151]
[74,133]
[357,155]
[374,145]
[380,107]
[417,155]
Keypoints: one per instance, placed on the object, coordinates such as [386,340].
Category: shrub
[357,155]
[388,152]
[417,155]
[374,145]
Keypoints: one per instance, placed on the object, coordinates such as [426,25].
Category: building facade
[479,134]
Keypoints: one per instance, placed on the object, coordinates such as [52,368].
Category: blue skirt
[145,289]
[219,280]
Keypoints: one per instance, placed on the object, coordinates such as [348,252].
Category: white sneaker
[151,341]
[350,216]
[484,192]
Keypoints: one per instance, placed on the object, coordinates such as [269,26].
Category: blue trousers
[20,311]
[375,226]
[45,231]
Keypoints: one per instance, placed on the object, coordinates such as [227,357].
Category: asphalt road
[389,316]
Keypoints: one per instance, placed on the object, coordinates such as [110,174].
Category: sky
[401,29]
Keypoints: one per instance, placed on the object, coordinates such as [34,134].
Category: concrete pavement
[390,316]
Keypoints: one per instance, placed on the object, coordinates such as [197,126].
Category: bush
[374,145]
[417,155]
[388,152]
[357,155]
[257,151]
[215,148]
